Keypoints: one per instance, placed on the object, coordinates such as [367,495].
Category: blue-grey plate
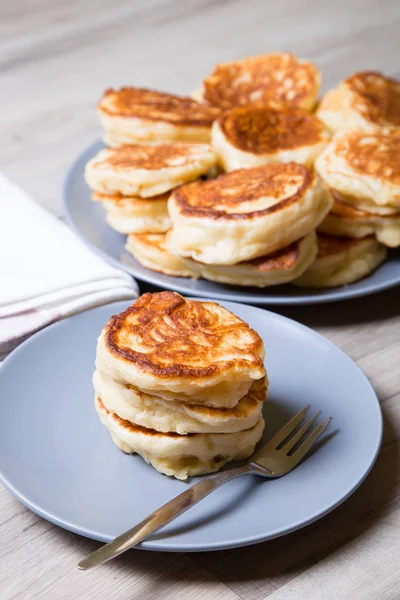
[57,458]
[87,219]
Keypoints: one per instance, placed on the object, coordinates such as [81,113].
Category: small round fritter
[148,170]
[258,79]
[245,214]
[341,261]
[133,115]
[249,136]
[364,166]
[367,100]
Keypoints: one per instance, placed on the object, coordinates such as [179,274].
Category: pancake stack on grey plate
[294,204]
[182,383]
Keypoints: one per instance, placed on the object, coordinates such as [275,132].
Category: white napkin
[46,273]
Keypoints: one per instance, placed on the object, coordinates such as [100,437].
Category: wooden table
[56,57]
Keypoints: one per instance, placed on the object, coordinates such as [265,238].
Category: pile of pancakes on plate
[182,383]
[250,182]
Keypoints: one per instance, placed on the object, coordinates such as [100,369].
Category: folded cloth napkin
[46,273]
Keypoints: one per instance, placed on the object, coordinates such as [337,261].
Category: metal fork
[276,458]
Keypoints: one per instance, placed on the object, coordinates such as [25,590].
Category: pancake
[151,251]
[165,416]
[248,136]
[133,115]
[341,261]
[134,214]
[180,456]
[364,166]
[245,214]
[367,100]
[347,221]
[147,170]
[197,352]
[258,79]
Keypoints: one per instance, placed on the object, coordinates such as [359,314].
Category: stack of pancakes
[362,172]
[247,227]
[256,224]
[182,383]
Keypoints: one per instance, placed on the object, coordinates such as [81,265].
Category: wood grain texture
[56,58]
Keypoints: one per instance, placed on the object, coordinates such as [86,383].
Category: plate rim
[331,295]
[164,546]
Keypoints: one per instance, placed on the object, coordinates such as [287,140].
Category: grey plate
[57,458]
[87,219]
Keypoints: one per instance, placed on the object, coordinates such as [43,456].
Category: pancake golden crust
[247,136]
[259,79]
[367,100]
[176,336]
[377,155]
[238,194]
[282,266]
[341,261]
[262,129]
[156,106]
[147,170]
[364,166]
[376,97]
[197,352]
[246,214]
[148,157]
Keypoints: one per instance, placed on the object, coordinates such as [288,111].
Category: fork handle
[161,516]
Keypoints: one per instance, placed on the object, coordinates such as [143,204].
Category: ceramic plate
[57,458]
[87,219]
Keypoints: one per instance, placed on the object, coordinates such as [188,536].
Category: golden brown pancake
[376,97]
[245,214]
[147,170]
[153,412]
[282,266]
[151,158]
[244,194]
[264,130]
[172,347]
[341,261]
[259,79]
[247,136]
[364,166]
[157,106]
[134,214]
[367,100]
[377,155]
[329,244]
[132,115]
